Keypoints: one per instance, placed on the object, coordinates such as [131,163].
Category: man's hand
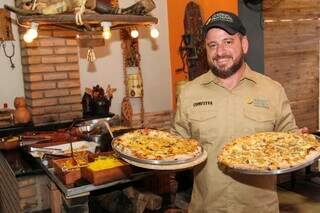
[303,130]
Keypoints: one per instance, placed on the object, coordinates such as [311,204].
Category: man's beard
[226,73]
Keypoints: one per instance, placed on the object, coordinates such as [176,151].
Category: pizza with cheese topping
[270,151]
[151,144]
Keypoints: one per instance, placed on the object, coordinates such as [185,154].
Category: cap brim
[222,26]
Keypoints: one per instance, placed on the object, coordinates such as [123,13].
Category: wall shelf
[118,20]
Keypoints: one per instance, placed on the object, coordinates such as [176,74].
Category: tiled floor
[303,198]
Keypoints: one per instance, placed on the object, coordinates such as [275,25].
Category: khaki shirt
[215,115]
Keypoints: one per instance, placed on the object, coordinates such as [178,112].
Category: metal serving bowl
[88,126]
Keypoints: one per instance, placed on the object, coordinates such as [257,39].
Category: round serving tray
[202,157]
[271,172]
[274,172]
[154,162]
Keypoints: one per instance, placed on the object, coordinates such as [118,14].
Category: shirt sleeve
[180,124]
[285,119]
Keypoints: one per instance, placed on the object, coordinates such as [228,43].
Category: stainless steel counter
[86,188]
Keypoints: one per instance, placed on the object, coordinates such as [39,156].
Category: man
[227,102]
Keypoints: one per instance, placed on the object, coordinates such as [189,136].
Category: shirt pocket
[203,125]
[258,120]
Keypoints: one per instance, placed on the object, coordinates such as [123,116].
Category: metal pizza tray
[277,171]
[176,167]
[154,162]
[271,172]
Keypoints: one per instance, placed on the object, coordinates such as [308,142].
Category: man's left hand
[303,130]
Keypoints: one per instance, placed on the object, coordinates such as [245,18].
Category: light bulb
[134,33]
[106,29]
[32,33]
[27,38]
[154,32]
[106,34]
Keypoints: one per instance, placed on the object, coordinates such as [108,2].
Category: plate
[271,172]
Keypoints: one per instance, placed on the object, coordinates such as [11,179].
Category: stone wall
[22,194]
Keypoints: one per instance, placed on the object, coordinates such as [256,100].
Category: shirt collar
[248,74]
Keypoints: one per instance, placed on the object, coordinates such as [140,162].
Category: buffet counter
[17,164]
[24,179]
[84,188]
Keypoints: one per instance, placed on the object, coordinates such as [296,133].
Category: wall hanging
[6,35]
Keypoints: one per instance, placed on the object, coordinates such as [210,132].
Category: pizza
[270,151]
[151,144]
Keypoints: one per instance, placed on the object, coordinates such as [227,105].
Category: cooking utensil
[109,129]
[74,162]
[89,126]
[30,140]
[47,150]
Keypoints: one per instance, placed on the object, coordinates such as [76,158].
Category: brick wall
[156,120]
[51,76]
[31,193]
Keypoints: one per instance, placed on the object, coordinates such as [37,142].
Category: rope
[3,44]
[79,12]
[34,5]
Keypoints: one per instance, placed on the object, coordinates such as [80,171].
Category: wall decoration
[133,76]
[6,35]
[192,49]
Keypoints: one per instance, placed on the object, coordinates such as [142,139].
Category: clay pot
[21,114]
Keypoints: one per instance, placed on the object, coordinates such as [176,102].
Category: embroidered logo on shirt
[258,102]
[202,103]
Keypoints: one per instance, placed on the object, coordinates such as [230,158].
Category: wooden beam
[89,19]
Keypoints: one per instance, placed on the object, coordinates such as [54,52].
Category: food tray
[102,176]
[68,176]
[63,149]
[9,143]
[271,172]
[154,162]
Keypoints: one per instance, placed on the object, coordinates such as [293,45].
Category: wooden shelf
[91,19]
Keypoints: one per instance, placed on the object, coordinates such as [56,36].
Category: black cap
[227,21]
